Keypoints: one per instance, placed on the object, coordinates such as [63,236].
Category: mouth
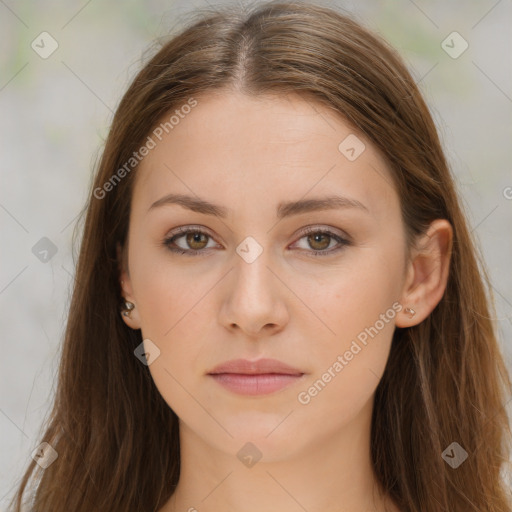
[260,377]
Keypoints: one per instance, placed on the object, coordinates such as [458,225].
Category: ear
[427,273]
[133,320]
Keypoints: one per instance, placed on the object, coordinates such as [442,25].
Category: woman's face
[271,272]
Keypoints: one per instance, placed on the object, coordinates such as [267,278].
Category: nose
[254,299]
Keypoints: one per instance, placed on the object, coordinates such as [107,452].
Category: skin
[248,155]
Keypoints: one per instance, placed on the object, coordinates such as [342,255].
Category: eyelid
[187,228]
[315,228]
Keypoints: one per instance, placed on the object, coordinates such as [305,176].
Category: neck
[328,475]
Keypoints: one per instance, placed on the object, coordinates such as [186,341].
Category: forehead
[231,146]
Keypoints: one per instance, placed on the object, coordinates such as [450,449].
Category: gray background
[56,113]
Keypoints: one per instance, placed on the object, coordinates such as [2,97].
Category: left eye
[321,241]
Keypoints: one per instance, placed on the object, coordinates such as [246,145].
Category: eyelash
[180,232]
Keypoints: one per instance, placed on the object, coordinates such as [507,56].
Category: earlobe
[130,315]
[427,274]
[128,307]
[410,312]
[128,310]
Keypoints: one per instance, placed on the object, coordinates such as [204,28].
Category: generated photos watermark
[138,156]
[305,397]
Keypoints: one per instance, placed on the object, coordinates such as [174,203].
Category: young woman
[304,325]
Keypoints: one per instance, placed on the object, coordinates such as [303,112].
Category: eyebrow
[284,209]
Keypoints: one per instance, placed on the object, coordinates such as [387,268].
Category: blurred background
[63,70]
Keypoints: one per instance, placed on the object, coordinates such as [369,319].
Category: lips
[259,377]
[259,367]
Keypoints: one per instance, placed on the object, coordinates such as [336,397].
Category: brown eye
[319,241]
[197,240]
[188,241]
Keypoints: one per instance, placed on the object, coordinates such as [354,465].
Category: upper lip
[261,366]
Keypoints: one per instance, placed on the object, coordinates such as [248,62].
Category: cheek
[342,388]
[171,306]
[355,295]
[180,334]
[360,306]
[348,367]
[167,294]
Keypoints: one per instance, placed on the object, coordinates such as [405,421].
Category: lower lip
[262,384]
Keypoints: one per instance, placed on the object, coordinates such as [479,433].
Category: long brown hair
[445,381]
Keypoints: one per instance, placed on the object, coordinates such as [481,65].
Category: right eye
[194,241]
